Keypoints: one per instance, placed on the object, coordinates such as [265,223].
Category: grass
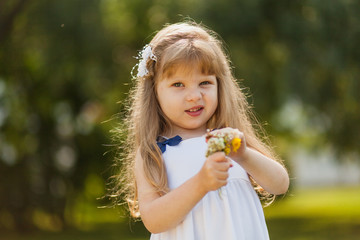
[108,231]
[341,202]
[305,214]
[326,213]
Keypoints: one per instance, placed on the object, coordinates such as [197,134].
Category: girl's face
[188,98]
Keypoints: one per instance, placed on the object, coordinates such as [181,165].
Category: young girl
[184,86]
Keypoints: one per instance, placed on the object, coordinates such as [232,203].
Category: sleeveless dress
[233,213]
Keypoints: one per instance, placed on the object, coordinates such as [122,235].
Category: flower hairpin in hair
[143,57]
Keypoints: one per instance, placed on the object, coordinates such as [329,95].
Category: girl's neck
[185,134]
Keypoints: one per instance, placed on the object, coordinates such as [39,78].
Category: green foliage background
[64,66]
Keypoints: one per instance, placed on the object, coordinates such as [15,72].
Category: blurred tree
[10,10]
[303,50]
[65,64]
[54,73]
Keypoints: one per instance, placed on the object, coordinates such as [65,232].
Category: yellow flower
[227,149]
[236,143]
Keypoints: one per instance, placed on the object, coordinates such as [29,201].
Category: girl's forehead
[186,68]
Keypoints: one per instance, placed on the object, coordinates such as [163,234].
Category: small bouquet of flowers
[225,140]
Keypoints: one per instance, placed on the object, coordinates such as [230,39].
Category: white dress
[236,213]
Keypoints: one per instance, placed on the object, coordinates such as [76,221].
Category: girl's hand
[214,173]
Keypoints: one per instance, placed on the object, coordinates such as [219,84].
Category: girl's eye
[205,83]
[178,84]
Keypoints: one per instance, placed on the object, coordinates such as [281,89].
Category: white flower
[143,57]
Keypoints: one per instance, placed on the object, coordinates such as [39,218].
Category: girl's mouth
[195,111]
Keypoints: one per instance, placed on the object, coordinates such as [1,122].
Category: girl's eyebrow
[174,80]
[210,78]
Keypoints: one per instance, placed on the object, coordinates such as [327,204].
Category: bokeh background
[65,72]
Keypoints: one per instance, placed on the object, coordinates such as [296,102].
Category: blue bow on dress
[171,142]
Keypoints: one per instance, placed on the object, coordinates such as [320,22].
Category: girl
[184,86]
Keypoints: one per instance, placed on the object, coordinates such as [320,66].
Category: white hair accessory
[143,56]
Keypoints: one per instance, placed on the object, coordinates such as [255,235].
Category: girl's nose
[194,95]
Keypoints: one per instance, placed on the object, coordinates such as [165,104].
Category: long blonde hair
[178,44]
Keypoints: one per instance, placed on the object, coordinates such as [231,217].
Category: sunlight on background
[65,73]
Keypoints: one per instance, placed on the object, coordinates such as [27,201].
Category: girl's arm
[161,213]
[268,173]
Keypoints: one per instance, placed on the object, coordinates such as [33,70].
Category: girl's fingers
[218,157]
[229,161]
[224,166]
[222,176]
[220,162]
